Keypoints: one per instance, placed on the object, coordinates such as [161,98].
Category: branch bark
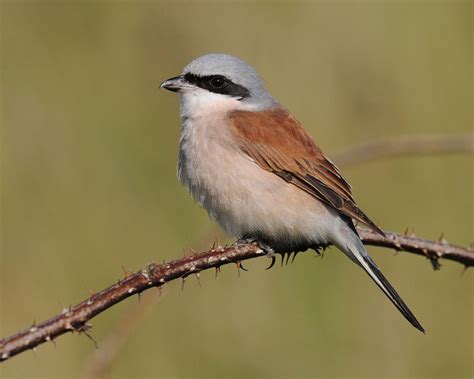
[433,250]
[76,318]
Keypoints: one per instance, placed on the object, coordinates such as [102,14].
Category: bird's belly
[248,201]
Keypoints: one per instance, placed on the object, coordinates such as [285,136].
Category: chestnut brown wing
[277,142]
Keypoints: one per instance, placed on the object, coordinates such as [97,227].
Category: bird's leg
[245,241]
[266,248]
[262,245]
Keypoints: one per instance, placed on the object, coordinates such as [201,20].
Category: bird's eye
[217,81]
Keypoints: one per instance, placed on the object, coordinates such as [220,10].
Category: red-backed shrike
[258,173]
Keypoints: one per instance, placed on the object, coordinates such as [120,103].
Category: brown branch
[76,318]
[433,250]
[99,363]
[406,145]
[102,359]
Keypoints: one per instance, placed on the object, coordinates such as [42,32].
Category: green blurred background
[89,145]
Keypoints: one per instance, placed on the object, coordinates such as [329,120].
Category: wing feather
[277,142]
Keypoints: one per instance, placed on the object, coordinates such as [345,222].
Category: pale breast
[242,197]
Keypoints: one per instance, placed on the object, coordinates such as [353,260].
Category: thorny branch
[76,318]
[101,360]
[433,250]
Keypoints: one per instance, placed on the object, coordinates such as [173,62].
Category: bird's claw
[266,248]
[273,262]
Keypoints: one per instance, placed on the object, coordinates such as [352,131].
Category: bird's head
[222,81]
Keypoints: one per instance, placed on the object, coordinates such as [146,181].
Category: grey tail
[360,256]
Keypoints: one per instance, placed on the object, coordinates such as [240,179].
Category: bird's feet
[266,248]
[270,253]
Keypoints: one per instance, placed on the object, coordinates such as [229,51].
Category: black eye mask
[218,84]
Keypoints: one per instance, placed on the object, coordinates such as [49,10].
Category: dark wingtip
[377,229]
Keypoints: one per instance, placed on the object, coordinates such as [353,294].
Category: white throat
[200,103]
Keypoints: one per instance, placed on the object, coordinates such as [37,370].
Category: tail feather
[359,255]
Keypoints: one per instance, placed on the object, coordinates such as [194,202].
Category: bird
[247,160]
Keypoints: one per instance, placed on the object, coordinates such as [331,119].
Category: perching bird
[258,173]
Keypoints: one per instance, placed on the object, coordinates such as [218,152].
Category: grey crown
[238,72]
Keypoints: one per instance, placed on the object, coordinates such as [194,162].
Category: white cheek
[199,103]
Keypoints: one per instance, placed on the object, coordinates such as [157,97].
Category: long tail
[356,251]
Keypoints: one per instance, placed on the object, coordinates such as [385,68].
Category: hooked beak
[176,84]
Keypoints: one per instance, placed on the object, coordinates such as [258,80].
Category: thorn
[213,246]
[146,274]
[127,272]
[242,267]
[139,297]
[406,232]
[160,290]
[151,267]
[182,283]
[282,258]
[238,268]
[441,237]
[271,264]
[464,269]
[218,270]
[434,262]
[91,292]
[287,258]
[199,280]
[193,251]
[84,330]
